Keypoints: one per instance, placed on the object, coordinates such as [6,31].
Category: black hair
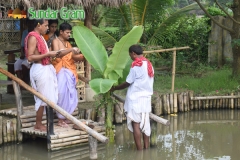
[136,49]
[38,21]
[51,21]
[65,26]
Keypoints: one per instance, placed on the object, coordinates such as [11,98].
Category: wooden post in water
[92,147]
[1,130]
[18,96]
[50,131]
[175,105]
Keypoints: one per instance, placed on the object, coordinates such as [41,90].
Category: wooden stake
[180,102]
[232,102]
[18,96]
[171,102]
[168,104]
[175,105]
[165,104]
[92,147]
[173,69]
[190,101]
[8,131]
[5,140]
[185,101]
[1,130]
[118,112]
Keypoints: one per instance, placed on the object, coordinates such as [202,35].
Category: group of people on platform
[49,59]
[53,74]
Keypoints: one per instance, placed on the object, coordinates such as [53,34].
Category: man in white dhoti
[66,72]
[42,73]
[138,99]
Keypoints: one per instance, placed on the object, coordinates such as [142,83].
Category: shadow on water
[195,135]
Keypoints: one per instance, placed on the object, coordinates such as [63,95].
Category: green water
[195,135]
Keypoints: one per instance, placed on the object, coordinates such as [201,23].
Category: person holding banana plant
[138,99]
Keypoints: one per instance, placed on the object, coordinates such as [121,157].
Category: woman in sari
[52,32]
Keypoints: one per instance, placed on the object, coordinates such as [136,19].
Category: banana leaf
[91,47]
[120,53]
[101,85]
[125,71]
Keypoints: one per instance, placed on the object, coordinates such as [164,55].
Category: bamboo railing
[174,59]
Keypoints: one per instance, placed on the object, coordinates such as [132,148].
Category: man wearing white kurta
[138,99]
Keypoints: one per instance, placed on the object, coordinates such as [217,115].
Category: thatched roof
[60,3]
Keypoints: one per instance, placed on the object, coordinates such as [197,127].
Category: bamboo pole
[157,105]
[165,50]
[152,116]
[195,105]
[223,103]
[92,147]
[15,129]
[220,103]
[5,140]
[199,104]
[227,102]
[12,131]
[238,105]
[165,104]
[173,69]
[217,106]
[232,102]
[191,106]
[168,104]
[175,105]
[8,131]
[185,101]
[207,104]
[1,130]
[180,102]
[18,96]
[68,139]
[171,102]
[68,143]
[95,134]
[215,97]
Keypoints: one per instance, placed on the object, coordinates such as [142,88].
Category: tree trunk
[236,35]
[109,116]
[88,24]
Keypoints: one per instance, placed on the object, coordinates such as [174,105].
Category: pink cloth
[41,46]
[138,62]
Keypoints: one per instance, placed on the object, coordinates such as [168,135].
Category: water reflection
[212,134]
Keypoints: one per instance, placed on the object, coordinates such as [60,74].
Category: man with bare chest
[42,73]
[66,71]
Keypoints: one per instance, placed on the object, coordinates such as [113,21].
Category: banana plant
[112,68]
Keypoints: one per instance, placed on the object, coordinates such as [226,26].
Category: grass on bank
[211,82]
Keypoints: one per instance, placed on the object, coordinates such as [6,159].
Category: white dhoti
[43,80]
[138,111]
[67,92]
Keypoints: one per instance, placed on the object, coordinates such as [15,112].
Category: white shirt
[140,90]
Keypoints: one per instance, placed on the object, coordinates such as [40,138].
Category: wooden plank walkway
[63,137]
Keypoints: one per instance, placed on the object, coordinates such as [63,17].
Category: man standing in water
[138,99]
[42,73]
[66,71]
